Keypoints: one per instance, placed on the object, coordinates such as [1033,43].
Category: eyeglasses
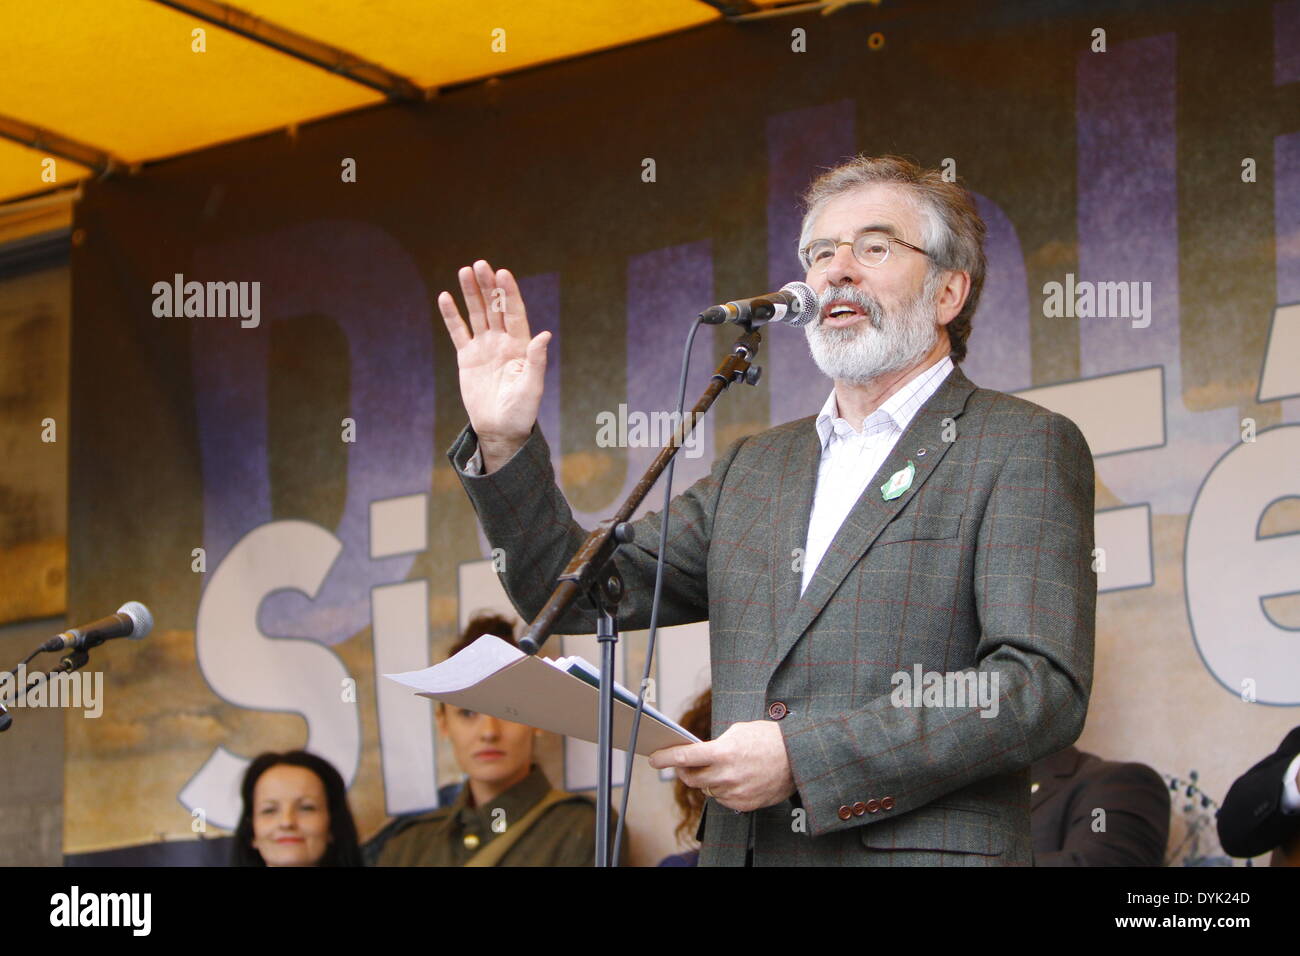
[870,248]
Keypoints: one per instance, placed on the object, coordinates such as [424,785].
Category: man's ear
[952,295]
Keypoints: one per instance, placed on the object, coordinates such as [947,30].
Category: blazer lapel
[792,510]
[869,515]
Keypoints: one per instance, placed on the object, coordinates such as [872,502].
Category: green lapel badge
[898,482]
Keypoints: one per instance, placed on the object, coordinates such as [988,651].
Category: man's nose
[844,268]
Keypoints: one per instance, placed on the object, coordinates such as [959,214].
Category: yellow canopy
[95,85]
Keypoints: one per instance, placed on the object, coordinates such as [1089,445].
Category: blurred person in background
[698,719]
[1067,790]
[506,813]
[295,814]
[1262,809]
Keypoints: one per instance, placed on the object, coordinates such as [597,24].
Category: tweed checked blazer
[984,564]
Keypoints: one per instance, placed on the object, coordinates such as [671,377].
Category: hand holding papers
[494,677]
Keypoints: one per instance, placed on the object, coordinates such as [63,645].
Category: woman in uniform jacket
[506,813]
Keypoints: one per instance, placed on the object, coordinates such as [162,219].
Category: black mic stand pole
[591,574]
[6,718]
[74,661]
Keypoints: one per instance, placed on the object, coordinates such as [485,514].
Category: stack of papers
[494,677]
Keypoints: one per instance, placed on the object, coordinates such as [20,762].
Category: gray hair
[952,231]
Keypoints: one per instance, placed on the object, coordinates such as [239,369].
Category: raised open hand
[501,367]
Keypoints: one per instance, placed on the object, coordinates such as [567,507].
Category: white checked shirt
[851,459]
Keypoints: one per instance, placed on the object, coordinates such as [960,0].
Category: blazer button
[859,808]
[776,710]
[873,805]
[887,803]
[845,813]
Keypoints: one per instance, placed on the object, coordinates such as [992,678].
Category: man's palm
[502,369]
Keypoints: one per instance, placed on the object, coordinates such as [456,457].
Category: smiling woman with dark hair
[295,814]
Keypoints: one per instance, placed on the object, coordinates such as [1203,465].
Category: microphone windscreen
[807,299]
[141,619]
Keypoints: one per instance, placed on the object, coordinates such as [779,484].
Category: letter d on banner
[249,669]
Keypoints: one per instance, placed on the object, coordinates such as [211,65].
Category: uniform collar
[900,408]
[516,802]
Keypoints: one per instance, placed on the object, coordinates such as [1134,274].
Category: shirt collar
[900,408]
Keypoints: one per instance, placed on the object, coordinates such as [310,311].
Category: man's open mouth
[841,315]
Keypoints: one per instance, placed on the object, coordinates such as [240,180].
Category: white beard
[879,344]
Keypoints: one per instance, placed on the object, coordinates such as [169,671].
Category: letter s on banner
[249,669]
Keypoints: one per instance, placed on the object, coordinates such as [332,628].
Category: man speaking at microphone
[899,588]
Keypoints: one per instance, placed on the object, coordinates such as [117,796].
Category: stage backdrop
[272,480]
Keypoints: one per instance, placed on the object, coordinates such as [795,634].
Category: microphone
[795,304]
[132,620]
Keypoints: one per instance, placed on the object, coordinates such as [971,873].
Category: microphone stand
[74,661]
[591,573]
[6,718]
